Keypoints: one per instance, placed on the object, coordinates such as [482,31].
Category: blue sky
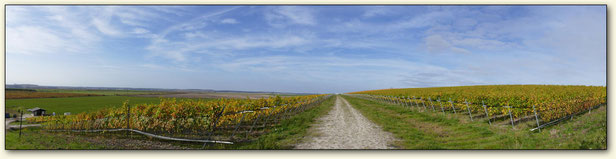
[315,49]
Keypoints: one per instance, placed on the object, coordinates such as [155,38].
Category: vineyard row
[514,113]
[228,120]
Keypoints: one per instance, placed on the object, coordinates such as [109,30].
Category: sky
[304,49]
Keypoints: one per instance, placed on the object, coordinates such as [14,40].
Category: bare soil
[345,128]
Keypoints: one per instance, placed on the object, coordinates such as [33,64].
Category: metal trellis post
[452,107]
[424,104]
[21,120]
[431,104]
[238,125]
[486,110]
[439,102]
[469,110]
[536,118]
[510,116]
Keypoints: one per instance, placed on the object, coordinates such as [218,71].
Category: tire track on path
[345,128]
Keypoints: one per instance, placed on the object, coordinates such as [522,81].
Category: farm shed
[37,111]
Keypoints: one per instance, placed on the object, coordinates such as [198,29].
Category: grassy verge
[33,138]
[417,130]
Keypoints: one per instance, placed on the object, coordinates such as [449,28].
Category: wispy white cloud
[213,43]
[229,21]
[284,15]
[152,66]
[104,27]
[376,11]
[140,31]
[55,33]
[75,28]
[437,44]
[194,23]
[47,41]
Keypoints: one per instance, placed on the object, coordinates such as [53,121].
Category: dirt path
[345,128]
[8,122]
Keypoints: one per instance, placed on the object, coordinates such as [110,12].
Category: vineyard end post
[536,118]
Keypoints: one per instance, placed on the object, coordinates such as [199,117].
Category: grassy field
[417,130]
[102,92]
[74,104]
[34,138]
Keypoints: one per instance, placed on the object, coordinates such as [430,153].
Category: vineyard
[218,121]
[538,102]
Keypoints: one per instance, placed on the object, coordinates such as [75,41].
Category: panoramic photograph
[305,77]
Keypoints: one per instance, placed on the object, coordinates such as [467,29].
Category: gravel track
[345,128]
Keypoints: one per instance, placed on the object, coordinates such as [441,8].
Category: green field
[75,104]
[102,92]
[428,130]
[34,138]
